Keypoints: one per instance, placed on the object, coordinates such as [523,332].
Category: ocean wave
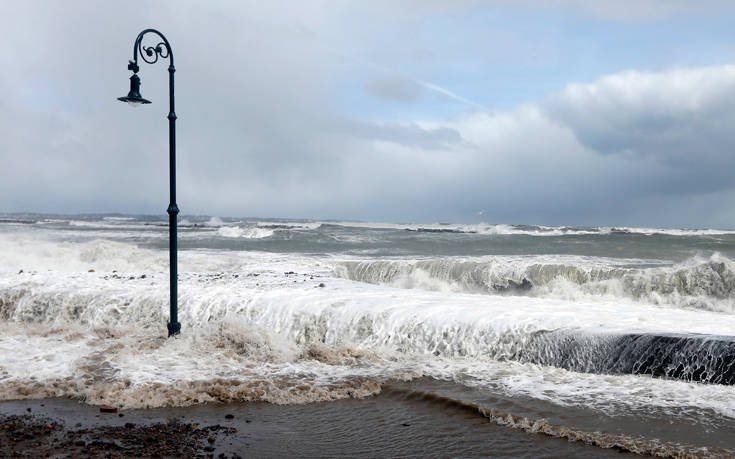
[28,255]
[23,253]
[273,327]
[247,232]
[704,283]
[673,232]
[529,230]
[85,223]
[621,442]
[214,222]
[487,229]
[288,225]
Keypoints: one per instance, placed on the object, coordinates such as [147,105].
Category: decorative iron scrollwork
[151,54]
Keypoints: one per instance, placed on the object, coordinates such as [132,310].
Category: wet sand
[389,424]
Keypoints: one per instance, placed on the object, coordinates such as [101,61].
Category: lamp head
[134,98]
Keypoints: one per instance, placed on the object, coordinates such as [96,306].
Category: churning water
[614,336]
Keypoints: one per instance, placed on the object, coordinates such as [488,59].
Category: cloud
[395,89]
[682,119]
[407,134]
[262,130]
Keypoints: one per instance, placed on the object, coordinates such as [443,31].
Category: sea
[616,337]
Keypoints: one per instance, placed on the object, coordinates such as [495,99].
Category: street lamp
[150,54]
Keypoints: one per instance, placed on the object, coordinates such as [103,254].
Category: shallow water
[393,424]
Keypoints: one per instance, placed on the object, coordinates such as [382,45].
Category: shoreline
[381,425]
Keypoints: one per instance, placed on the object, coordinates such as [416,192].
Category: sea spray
[705,283]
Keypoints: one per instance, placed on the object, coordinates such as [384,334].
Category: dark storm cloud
[682,120]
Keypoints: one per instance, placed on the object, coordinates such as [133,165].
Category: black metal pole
[150,54]
[174,327]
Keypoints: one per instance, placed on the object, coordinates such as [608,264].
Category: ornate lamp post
[150,54]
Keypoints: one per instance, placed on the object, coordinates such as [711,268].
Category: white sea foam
[259,326]
[531,230]
[478,228]
[674,232]
[248,232]
[83,223]
[290,225]
[109,227]
[215,222]
[255,333]
[42,254]
[704,283]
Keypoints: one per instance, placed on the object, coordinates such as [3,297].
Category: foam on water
[249,233]
[531,230]
[290,225]
[255,333]
[703,283]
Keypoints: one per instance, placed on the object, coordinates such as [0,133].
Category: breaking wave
[288,337]
[532,230]
[703,283]
[248,233]
[620,442]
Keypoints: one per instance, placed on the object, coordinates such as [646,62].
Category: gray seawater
[615,337]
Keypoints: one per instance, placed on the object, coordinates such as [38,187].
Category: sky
[557,112]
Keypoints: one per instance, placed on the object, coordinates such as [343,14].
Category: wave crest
[248,233]
[697,283]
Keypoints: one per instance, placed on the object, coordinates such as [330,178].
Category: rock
[230,416]
[321,284]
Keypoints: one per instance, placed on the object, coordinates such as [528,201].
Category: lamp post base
[174,328]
